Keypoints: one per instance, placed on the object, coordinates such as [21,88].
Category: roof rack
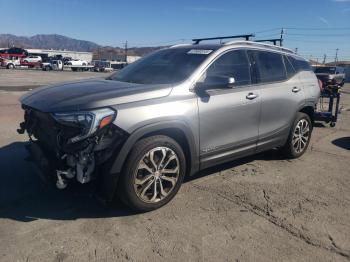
[274,41]
[252,43]
[198,40]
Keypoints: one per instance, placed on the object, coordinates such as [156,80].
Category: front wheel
[299,137]
[152,174]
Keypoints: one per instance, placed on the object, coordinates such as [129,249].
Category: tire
[141,197]
[10,66]
[293,148]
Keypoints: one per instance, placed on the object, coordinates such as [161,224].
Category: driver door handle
[251,96]
[296,89]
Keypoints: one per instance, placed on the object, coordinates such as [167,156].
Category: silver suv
[170,114]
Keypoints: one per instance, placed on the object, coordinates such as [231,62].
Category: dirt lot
[25,79]
[261,208]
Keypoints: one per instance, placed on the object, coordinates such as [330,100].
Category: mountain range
[54,41]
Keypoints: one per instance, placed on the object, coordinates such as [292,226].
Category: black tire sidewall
[126,190]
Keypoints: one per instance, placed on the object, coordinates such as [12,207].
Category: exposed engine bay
[73,145]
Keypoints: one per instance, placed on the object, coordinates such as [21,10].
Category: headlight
[88,121]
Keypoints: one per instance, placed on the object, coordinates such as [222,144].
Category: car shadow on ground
[23,196]
[342,142]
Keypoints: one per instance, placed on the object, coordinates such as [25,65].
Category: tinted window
[163,67]
[299,64]
[232,64]
[270,67]
[289,68]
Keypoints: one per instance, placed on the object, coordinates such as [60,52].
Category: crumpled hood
[90,94]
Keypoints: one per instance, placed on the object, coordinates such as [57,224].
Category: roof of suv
[237,43]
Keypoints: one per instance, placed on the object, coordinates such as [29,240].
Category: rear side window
[289,68]
[231,64]
[299,64]
[270,67]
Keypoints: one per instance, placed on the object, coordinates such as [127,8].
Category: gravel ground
[261,208]
[22,80]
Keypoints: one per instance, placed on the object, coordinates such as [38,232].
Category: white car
[32,59]
[77,62]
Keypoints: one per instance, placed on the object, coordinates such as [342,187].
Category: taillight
[320,85]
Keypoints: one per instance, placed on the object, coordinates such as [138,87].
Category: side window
[299,64]
[270,67]
[232,64]
[289,68]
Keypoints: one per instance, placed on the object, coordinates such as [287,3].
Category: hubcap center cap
[157,174]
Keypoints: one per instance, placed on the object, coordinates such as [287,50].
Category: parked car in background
[15,51]
[66,59]
[32,59]
[102,66]
[334,75]
[52,65]
[77,62]
[11,61]
[170,114]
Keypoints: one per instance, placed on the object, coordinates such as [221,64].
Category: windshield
[163,67]
[328,70]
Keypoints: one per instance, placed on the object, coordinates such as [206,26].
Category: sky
[314,27]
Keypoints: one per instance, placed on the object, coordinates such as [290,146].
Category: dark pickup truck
[331,75]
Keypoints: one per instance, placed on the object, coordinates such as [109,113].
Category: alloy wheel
[156,175]
[301,136]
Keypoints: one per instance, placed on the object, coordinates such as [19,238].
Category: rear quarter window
[270,67]
[289,67]
[300,64]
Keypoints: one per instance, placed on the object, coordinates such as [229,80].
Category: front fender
[156,127]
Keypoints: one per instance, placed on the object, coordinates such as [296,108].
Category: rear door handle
[296,89]
[251,96]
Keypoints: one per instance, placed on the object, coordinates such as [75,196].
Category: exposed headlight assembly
[88,121]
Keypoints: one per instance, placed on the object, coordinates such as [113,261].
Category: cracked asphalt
[260,208]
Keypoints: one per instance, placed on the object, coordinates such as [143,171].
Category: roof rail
[251,43]
[197,40]
[179,45]
[274,41]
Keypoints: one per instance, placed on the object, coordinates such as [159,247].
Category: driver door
[228,116]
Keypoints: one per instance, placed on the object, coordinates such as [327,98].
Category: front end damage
[71,147]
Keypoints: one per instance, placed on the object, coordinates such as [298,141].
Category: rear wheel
[153,173]
[10,66]
[299,137]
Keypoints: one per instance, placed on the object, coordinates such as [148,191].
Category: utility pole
[126,51]
[282,32]
[336,56]
[324,58]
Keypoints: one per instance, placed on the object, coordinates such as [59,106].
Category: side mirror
[216,82]
[231,82]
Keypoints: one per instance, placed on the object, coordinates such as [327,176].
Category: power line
[317,35]
[317,28]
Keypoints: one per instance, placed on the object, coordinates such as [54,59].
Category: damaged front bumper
[61,162]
